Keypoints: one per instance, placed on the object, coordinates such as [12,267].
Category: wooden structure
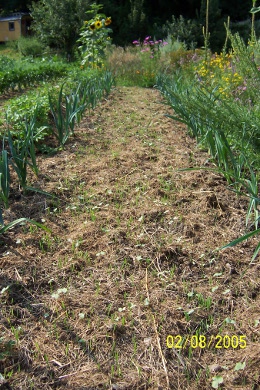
[14,26]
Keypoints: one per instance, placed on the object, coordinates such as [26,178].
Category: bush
[6,63]
[183,30]
[26,74]
[30,46]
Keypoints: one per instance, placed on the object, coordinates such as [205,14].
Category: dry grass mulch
[130,260]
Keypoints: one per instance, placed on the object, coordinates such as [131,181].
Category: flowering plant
[94,38]
[220,73]
[150,46]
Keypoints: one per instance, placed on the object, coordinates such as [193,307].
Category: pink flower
[135,42]
[147,38]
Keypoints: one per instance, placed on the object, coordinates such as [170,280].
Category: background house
[14,26]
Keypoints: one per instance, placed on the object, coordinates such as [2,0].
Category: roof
[13,17]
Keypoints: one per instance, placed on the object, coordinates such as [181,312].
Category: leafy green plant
[240,366]
[18,111]
[216,381]
[25,74]
[253,11]
[185,31]
[6,63]
[57,23]
[30,46]
[6,348]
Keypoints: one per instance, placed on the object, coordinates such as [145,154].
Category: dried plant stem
[206,32]
[161,354]
[156,333]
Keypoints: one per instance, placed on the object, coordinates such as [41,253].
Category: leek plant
[4,178]
[226,123]
[5,184]
[69,108]
[64,113]
[22,150]
[4,228]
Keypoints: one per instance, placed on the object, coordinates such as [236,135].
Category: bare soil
[131,259]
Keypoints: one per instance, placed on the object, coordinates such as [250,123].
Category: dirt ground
[128,291]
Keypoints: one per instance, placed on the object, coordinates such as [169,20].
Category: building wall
[6,34]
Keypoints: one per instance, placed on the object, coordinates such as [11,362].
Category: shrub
[25,74]
[30,46]
[6,63]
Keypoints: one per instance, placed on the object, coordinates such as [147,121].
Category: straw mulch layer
[131,258]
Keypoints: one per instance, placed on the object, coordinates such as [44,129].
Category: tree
[57,22]
[235,9]
[137,17]
[13,6]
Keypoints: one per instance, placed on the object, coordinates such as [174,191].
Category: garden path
[133,246]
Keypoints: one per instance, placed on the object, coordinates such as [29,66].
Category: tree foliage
[57,22]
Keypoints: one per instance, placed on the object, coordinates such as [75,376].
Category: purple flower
[135,42]
[147,38]
[165,43]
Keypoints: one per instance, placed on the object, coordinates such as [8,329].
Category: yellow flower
[92,27]
[98,24]
[108,21]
